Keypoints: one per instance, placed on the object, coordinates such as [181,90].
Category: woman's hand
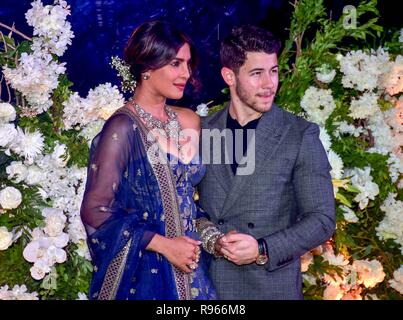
[180,251]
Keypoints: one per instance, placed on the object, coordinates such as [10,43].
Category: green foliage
[301,55]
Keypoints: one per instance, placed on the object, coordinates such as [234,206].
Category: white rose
[8,133]
[17,171]
[10,198]
[55,221]
[54,225]
[6,238]
[7,112]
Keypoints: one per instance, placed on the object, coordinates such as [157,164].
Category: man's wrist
[263,255]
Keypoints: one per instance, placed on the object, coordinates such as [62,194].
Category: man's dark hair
[244,39]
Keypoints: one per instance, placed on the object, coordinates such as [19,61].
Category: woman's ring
[193,265]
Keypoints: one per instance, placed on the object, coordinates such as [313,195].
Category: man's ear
[228,75]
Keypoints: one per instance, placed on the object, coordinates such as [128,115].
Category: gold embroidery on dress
[114,274]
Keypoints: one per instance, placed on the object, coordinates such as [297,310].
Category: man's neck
[243,114]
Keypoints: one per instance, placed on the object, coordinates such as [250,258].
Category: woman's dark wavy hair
[244,39]
[153,45]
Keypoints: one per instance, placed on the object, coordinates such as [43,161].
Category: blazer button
[251,225]
[221,222]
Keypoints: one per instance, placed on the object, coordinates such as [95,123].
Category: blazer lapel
[221,170]
[268,135]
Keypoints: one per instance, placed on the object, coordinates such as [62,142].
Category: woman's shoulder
[187,117]
[121,120]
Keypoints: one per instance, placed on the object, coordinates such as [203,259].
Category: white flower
[324,74]
[395,167]
[33,251]
[106,99]
[325,139]
[17,293]
[101,102]
[50,25]
[384,140]
[202,110]
[333,292]
[370,273]
[365,107]
[55,221]
[391,227]
[39,269]
[401,36]
[392,81]
[362,71]
[338,260]
[7,112]
[349,214]
[6,238]
[17,171]
[60,155]
[362,180]
[76,229]
[336,163]
[318,103]
[92,129]
[82,296]
[56,255]
[27,144]
[397,281]
[8,133]
[10,198]
[344,127]
[34,175]
[36,76]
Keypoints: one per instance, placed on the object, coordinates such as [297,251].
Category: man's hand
[239,248]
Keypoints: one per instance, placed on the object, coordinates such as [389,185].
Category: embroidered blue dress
[188,175]
[128,198]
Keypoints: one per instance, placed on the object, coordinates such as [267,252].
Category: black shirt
[234,126]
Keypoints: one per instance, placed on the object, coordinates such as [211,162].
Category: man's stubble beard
[244,97]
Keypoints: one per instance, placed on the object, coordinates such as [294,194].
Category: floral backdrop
[345,75]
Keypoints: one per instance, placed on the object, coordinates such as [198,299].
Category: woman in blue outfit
[142,223]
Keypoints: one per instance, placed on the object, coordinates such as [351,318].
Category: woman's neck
[153,104]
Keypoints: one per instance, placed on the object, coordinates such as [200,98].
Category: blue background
[102,27]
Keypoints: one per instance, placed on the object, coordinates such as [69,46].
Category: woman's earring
[146,76]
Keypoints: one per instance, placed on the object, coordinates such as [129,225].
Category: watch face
[262,259]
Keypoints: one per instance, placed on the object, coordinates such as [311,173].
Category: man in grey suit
[274,201]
